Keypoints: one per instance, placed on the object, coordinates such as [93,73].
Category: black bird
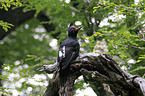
[68,51]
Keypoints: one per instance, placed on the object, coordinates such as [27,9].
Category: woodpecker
[68,51]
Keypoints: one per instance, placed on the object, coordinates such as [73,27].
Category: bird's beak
[78,28]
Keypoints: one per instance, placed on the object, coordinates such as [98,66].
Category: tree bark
[96,69]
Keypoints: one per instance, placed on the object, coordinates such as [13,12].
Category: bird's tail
[63,76]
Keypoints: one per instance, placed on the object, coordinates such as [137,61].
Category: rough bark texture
[96,69]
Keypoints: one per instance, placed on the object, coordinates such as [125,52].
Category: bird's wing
[62,53]
[65,56]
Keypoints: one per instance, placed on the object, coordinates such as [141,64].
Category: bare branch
[136,47]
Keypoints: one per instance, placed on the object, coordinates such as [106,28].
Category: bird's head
[72,30]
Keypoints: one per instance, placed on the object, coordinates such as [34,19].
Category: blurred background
[31,31]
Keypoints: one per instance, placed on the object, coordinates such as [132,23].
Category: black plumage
[68,51]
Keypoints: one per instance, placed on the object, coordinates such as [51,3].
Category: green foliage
[124,37]
[23,52]
[6,4]
[80,85]
[5,25]
[139,68]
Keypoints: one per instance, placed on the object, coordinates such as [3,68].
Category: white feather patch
[60,54]
[63,51]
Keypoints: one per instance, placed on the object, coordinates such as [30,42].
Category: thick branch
[102,69]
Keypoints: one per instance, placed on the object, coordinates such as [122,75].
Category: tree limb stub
[97,68]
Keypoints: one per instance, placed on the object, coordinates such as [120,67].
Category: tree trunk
[96,69]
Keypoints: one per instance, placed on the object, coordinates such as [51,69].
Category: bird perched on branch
[68,51]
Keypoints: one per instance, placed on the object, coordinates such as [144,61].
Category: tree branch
[98,68]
